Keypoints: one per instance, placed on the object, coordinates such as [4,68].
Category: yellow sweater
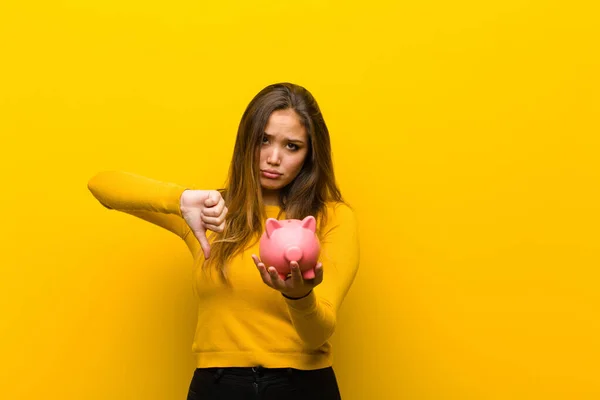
[247,323]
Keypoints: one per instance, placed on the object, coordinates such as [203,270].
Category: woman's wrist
[182,199]
[296,298]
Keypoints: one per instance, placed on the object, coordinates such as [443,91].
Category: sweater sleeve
[314,316]
[154,201]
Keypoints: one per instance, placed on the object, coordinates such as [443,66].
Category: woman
[258,335]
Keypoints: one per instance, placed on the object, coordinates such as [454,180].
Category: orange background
[465,133]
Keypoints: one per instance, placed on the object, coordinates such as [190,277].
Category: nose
[273,158]
[293,253]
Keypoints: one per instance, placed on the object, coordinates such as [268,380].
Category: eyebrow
[297,141]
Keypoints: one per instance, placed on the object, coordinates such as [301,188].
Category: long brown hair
[306,195]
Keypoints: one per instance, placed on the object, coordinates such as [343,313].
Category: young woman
[258,336]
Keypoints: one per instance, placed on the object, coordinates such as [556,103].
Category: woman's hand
[295,286]
[203,210]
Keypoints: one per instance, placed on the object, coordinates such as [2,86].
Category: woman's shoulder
[337,205]
[338,211]
[340,219]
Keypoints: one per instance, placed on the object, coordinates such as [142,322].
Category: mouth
[270,174]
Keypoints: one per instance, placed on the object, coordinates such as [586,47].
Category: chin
[270,185]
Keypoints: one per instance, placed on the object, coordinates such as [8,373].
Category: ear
[310,223]
[272,224]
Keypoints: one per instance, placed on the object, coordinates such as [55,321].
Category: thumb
[211,200]
[201,236]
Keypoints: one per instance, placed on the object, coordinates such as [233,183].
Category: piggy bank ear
[310,223]
[272,224]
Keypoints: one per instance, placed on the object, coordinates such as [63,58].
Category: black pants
[263,383]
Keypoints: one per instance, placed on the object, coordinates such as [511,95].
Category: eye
[265,140]
[293,146]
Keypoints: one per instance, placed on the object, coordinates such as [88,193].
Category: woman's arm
[314,316]
[154,201]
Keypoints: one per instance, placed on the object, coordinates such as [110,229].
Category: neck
[270,197]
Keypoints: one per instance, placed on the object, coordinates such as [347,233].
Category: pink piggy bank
[290,240]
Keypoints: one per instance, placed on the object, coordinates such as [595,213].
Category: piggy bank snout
[293,253]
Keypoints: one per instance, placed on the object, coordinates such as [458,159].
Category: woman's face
[283,150]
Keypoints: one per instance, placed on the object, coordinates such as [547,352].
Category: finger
[201,236]
[216,228]
[208,217]
[218,211]
[262,269]
[212,199]
[264,274]
[276,281]
[297,279]
[215,210]
[211,220]
[318,274]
